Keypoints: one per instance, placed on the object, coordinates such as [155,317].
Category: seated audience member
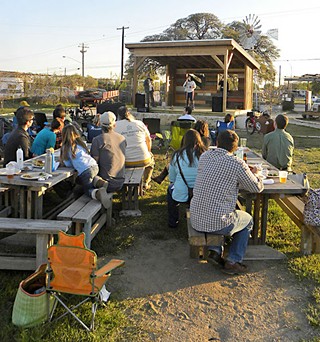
[60,114]
[19,137]
[46,138]
[138,150]
[213,206]
[203,128]
[74,153]
[221,126]
[278,145]
[187,115]
[109,149]
[94,129]
[187,157]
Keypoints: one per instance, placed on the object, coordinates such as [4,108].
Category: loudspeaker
[217,104]
[140,100]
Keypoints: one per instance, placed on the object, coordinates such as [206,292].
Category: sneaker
[215,258]
[104,198]
[237,268]
[99,182]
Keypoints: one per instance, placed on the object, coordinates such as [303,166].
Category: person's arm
[264,148]
[148,142]
[51,140]
[247,180]
[172,171]
[25,145]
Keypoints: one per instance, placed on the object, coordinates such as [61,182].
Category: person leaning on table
[213,206]
[278,145]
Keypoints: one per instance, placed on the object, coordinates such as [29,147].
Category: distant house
[11,85]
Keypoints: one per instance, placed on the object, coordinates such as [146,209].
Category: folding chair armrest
[111,265]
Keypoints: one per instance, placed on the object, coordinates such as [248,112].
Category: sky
[36,34]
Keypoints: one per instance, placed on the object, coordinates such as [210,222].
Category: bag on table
[311,211]
[30,308]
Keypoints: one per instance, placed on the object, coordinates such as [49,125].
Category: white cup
[243,142]
[283,176]
[10,171]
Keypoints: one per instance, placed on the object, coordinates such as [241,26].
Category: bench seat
[293,206]
[199,241]
[87,215]
[44,231]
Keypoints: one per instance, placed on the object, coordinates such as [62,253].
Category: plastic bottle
[19,156]
[48,162]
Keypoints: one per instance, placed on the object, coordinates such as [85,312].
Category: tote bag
[31,303]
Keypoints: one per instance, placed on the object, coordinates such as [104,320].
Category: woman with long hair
[183,169]
[202,127]
[74,153]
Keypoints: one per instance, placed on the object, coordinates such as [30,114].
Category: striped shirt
[215,193]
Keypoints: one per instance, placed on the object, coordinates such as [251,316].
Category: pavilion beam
[138,61]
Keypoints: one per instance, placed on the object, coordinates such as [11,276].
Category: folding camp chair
[72,270]
[178,130]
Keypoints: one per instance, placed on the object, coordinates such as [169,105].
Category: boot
[99,182]
[102,196]
[160,178]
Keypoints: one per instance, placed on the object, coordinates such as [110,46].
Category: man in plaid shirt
[215,193]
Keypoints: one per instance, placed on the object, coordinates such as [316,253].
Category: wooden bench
[293,206]
[199,241]
[131,190]
[44,231]
[88,216]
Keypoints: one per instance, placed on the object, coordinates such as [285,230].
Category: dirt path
[184,300]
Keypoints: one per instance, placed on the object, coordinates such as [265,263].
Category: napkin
[268,181]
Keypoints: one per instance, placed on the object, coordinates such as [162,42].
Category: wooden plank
[5,212]
[133,175]
[195,238]
[262,252]
[14,225]
[98,225]
[73,209]
[87,212]
[17,263]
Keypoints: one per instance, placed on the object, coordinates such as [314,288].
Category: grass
[118,322]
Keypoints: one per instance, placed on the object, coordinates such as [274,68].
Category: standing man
[148,89]
[189,86]
[19,137]
[215,193]
[278,145]
[109,149]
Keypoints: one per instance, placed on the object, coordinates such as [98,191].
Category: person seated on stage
[182,173]
[215,193]
[19,137]
[59,113]
[187,115]
[74,153]
[138,150]
[46,138]
[278,145]
[228,123]
[109,149]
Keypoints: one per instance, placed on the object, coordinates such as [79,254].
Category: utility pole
[83,51]
[122,49]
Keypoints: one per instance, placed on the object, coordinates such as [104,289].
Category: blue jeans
[86,179]
[240,232]
[173,208]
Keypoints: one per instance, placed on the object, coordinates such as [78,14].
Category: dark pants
[173,208]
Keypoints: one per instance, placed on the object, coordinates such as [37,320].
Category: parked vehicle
[316,105]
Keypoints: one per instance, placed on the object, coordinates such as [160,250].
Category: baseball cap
[107,119]
[24,104]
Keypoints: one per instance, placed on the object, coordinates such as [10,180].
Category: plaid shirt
[220,174]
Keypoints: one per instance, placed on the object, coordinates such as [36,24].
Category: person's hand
[253,169]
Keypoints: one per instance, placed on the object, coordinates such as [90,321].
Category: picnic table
[27,194]
[261,201]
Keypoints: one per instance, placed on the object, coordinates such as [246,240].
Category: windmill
[249,32]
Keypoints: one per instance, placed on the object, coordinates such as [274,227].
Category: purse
[190,190]
[311,211]
[30,307]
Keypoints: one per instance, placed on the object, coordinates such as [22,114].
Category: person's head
[189,78]
[228,118]
[202,127]
[192,144]
[228,140]
[124,114]
[70,139]
[107,121]
[24,116]
[282,121]
[188,110]
[55,125]
[59,112]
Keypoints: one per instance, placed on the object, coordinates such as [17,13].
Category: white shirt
[135,133]
[189,86]
[186,117]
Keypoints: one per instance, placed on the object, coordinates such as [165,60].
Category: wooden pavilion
[210,61]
